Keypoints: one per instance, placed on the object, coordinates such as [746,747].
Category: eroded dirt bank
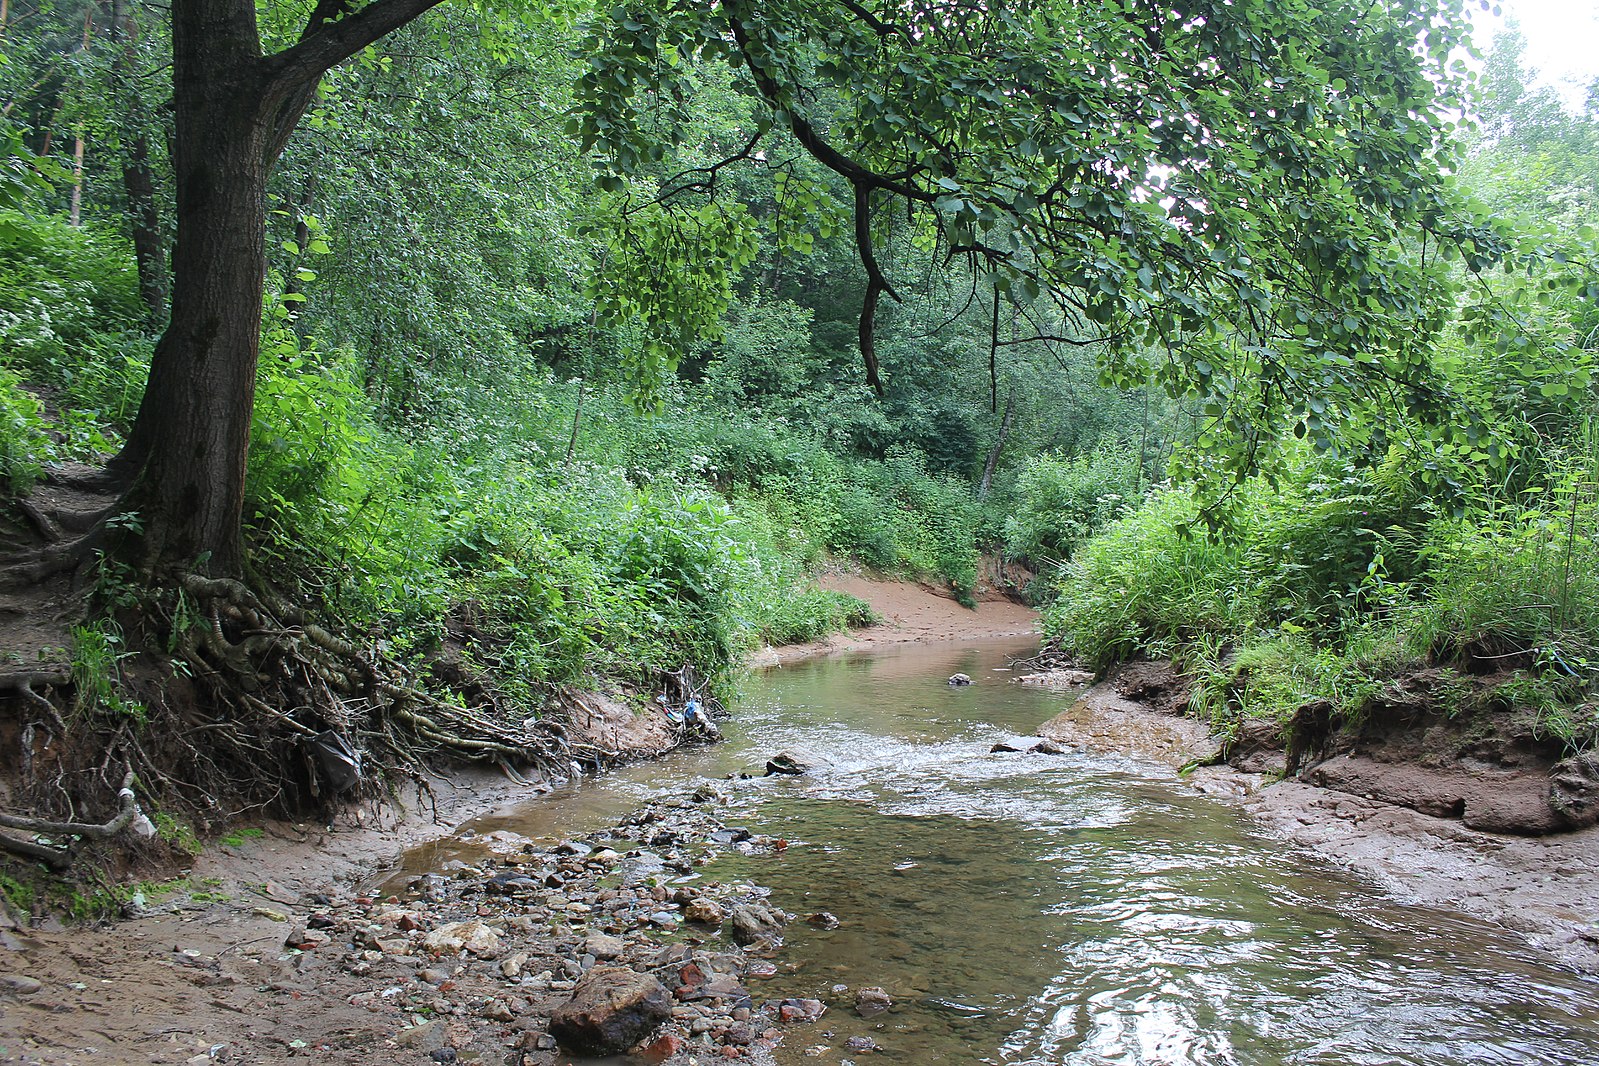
[1539,886]
[910,613]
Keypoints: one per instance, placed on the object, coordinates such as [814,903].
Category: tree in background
[1216,193]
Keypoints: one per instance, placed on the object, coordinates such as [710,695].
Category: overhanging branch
[332,35]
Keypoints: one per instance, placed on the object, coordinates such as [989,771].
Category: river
[1071,909]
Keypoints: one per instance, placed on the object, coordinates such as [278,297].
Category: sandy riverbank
[911,613]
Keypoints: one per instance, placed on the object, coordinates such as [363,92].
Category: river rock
[18,985]
[799,1010]
[704,911]
[427,1037]
[511,882]
[960,679]
[1046,747]
[603,947]
[870,1002]
[474,936]
[823,920]
[785,763]
[1002,747]
[755,921]
[611,1009]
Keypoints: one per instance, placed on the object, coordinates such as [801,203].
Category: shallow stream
[1080,909]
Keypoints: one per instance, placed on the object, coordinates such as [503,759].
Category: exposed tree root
[56,855]
[222,698]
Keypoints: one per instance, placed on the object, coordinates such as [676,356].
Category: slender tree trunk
[302,239]
[999,445]
[149,254]
[75,215]
[138,177]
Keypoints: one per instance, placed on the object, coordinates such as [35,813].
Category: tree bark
[190,441]
[233,110]
[138,177]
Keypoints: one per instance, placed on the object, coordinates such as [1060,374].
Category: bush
[1148,584]
[63,289]
[25,444]
[1060,502]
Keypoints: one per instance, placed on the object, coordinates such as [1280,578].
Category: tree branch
[329,40]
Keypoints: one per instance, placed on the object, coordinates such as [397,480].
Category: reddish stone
[692,977]
[662,1047]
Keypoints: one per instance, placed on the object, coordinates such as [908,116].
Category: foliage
[63,290]
[25,444]
[1275,287]
[1061,501]
[1147,584]
[1273,677]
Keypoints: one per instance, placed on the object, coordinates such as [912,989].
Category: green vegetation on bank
[591,337]
[1330,575]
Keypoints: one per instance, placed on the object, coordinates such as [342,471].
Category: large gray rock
[755,921]
[611,1009]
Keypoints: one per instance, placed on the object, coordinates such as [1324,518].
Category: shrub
[25,444]
[1060,502]
[1147,583]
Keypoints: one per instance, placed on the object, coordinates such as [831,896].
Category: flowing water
[1080,909]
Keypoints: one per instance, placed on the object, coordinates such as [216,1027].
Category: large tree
[1228,181]
[234,107]
[1227,196]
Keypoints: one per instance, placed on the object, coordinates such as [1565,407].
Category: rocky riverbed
[601,945]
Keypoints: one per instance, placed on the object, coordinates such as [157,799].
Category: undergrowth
[1333,580]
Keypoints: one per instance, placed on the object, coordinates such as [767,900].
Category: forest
[396,371]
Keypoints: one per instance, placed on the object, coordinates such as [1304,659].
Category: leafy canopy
[1219,189]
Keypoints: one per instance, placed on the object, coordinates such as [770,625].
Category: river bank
[278,945]
[226,963]
[1540,887]
[910,612]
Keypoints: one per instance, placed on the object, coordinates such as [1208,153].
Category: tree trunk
[138,177]
[190,441]
[138,181]
[233,110]
[999,445]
